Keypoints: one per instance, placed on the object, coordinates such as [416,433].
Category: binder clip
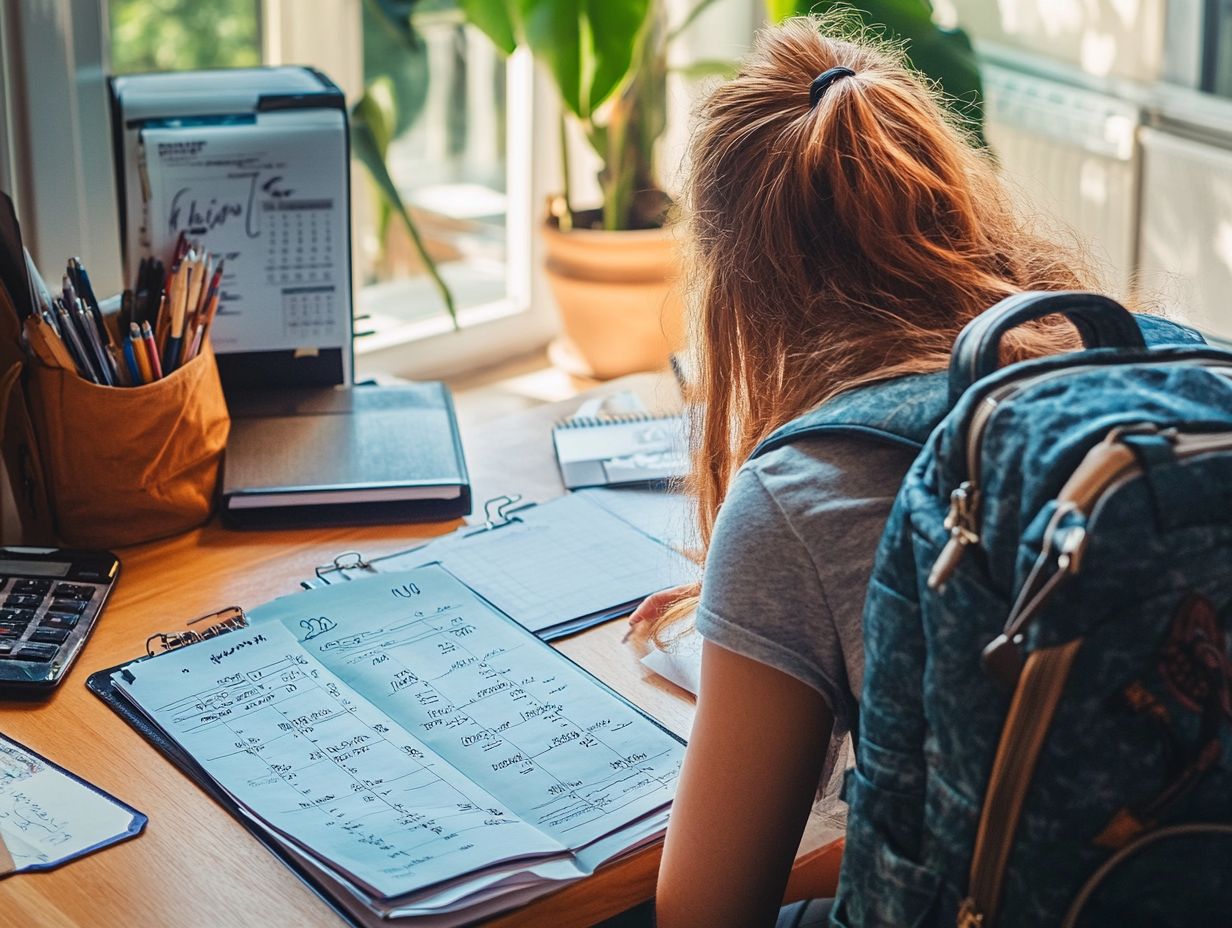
[347,560]
[499,511]
[221,622]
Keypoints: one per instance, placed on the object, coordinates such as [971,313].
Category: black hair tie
[822,82]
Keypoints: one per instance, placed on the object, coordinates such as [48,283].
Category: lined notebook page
[557,562]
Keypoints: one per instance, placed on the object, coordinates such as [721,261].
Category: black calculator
[50,599]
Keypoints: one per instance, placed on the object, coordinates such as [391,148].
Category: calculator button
[52,635]
[23,601]
[53,620]
[16,616]
[6,648]
[40,653]
[31,587]
[67,606]
[73,591]
[11,631]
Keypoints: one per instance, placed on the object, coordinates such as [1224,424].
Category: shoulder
[816,475]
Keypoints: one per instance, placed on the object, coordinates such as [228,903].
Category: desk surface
[195,865]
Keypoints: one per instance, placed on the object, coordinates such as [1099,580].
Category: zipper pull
[960,522]
[969,915]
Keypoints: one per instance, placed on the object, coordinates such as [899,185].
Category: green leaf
[708,67]
[552,29]
[370,122]
[779,10]
[615,29]
[394,53]
[587,45]
[497,19]
[394,16]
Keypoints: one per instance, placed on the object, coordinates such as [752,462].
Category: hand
[654,606]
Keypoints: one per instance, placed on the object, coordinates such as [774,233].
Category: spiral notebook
[621,450]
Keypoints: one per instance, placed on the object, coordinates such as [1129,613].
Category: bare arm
[749,778]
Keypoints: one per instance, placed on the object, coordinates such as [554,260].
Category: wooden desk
[195,865]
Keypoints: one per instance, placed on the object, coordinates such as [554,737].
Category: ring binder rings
[221,622]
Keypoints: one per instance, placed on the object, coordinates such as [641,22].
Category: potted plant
[612,269]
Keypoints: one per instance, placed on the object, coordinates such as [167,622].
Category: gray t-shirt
[790,559]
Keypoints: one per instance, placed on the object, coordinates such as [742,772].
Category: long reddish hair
[837,245]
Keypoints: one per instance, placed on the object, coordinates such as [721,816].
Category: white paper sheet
[523,722]
[48,817]
[666,517]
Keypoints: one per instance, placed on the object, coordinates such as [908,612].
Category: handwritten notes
[402,730]
[48,817]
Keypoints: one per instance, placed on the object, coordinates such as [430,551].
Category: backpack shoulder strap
[1158,332]
[903,412]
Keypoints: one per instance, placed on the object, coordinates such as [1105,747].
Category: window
[461,160]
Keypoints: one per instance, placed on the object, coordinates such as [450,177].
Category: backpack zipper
[962,520]
[1022,738]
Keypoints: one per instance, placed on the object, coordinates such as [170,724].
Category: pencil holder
[132,464]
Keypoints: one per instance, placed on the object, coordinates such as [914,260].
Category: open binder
[557,568]
[467,895]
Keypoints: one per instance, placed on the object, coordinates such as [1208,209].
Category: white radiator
[1070,155]
[1186,245]
[1106,38]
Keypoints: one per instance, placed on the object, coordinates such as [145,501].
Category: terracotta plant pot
[619,299]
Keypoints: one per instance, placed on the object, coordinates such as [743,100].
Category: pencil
[130,359]
[179,304]
[151,351]
[137,346]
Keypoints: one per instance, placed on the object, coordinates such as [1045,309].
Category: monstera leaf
[945,55]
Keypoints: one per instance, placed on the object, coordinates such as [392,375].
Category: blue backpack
[1045,732]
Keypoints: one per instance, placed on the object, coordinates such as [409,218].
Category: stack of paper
[412,749]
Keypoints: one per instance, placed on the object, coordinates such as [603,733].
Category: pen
[76,350]
[90,335]
[130,359]
[87,293]
[140,358]
[151,351]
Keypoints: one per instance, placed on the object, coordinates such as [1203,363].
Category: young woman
[842,231]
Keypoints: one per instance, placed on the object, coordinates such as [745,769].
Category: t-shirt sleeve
[762,595]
